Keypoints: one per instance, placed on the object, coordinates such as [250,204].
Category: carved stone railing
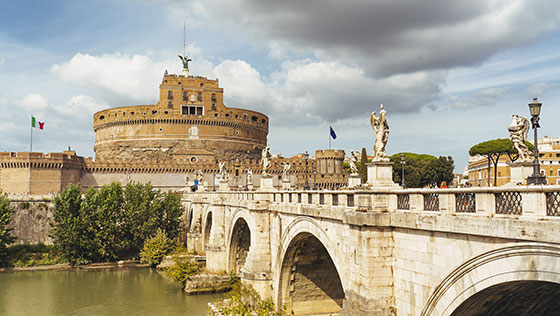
[531,201]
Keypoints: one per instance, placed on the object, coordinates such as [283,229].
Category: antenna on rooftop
[185,59]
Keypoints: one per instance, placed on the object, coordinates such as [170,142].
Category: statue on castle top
[198,176]
[249,176]
[265,159]
[285,176]
[185,60]
[381,128]
[517,134]
[354,157]
[223,171]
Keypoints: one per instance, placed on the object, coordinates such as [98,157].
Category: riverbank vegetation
[113,223]
[25,255]
[5,232]
[244,300]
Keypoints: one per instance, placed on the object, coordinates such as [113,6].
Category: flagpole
[31,138]
[329,138]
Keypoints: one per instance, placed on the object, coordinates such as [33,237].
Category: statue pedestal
[223,185]
[201,187]
[267,183]
[380,175]
[519,171]
[354,180]
[286,184]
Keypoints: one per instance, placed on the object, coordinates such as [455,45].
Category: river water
[107,292]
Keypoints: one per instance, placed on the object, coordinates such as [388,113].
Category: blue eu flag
[333,134]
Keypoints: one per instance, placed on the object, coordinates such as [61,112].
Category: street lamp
[402,169]
[536,177]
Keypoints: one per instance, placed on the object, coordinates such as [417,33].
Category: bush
[244,300]
[155,248]
[182,269]
[25,255]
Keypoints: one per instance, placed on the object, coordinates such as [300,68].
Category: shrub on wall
[112,223]
[5,218]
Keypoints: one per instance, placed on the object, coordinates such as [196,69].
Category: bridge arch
[207,231]
[308,274]
[487,283]
[240,240]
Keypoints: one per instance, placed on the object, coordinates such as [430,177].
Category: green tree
[362,165]
[422,170]
[5,218]
[493,150]
[113,223]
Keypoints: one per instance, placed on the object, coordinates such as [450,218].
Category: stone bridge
[479,251]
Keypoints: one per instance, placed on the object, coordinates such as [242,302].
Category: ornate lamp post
[402,169]
[536,177]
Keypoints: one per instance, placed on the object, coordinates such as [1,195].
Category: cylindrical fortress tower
[330,161]
[190,121]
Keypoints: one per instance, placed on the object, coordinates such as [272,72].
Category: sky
[449,73]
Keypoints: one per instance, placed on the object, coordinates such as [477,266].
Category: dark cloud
[392,37]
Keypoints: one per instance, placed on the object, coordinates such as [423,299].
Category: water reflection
[109,292]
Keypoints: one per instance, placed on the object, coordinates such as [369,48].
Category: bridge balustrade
[540,201]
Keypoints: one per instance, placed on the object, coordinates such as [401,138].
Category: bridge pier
[216,251]
[257,268]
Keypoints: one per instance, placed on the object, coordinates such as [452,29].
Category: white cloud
[33,101]
[84,104]
[538,89]
[485,97]
[242,83]
[130,77]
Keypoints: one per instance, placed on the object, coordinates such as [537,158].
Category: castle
[184,135]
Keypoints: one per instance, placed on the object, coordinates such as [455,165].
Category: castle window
[200,96]
[154,112]
[192,110]
[185,96]
[123,113]
[254,118]
[263,121]
[131,113]
[161,129]
[166,112]
[213,97]
[236,116]
[216,115]
[227,114]
[179,82]
[102,117]
[170,104]
[213,107]
[202,84]
[170,95]
[245,116]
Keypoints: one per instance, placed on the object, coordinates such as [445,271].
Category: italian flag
[34,123]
